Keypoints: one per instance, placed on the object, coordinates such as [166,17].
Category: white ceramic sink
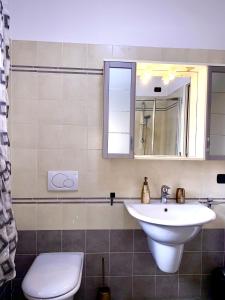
[171,214]
[168,227]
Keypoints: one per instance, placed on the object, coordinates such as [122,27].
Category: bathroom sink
[171,214]
[168,226]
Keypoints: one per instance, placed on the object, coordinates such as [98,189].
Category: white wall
[156,23]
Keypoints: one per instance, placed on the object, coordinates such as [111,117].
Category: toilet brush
[103,291]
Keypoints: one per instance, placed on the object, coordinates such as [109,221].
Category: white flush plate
[62,180]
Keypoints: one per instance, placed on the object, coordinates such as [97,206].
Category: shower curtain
[8,233]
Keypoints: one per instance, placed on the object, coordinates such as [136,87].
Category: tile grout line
[61,237]
[84,263]
[201,237]
[132,266]
[223,246]
[61,230]
[109,263]
[178,283]
[36,242]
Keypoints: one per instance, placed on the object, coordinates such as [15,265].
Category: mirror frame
[121,65]
[211,70]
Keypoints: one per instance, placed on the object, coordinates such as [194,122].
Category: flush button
[62,180]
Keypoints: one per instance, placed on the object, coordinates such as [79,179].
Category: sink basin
[171,214]
[168,227]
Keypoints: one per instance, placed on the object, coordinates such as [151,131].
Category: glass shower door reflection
[144,127]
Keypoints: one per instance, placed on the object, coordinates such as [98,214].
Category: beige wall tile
[98,216]
[24,184]
[141,53]
[48,159]
[24,53]
[216,56]
[24,110]
[95,138]
[97,164]
[150,53]
[197,56]
[74,216]
[174,55]
[25,216]
[24,172]
[42,187]
[74,112]
[24,135]
[23,159]
[49,54]
[73,159]
[24,86]
[125,52]
[55,159]
[209,187]
[95,88]
[97,184]
[74,87]
[50,86]
[97,54]
[49,216]
[120,219]
[95,113]
[73,137]
[95,101]
[74,55]
[49,136]
[50,112]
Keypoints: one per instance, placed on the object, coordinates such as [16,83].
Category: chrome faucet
[208,202]
[164,193]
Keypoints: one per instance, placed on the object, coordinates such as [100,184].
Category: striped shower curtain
[8,233]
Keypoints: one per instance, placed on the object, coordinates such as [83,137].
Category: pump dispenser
[145,193]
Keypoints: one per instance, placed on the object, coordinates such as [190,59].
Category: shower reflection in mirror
[161,114]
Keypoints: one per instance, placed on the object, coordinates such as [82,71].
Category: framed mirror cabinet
[155,110]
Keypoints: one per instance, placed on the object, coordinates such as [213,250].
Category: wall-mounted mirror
[216,113]
[166,113]
[161,120]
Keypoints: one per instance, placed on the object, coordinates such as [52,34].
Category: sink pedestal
[167,243]
[167,257]
[168,227]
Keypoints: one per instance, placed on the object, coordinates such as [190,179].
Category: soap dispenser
[145,193]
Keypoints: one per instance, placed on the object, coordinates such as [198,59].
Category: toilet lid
[53,274]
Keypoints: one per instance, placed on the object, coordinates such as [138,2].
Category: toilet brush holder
[103,291]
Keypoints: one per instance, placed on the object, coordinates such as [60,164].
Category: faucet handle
[208,202]
[164,189]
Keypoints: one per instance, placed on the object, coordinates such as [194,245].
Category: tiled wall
[56,123]
[131,272]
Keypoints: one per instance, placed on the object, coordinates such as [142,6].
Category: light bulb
[166,79]
[172,76]
[146,77]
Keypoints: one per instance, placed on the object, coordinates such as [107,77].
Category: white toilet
[54,276]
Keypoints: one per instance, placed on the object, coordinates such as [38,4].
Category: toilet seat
[54,276]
